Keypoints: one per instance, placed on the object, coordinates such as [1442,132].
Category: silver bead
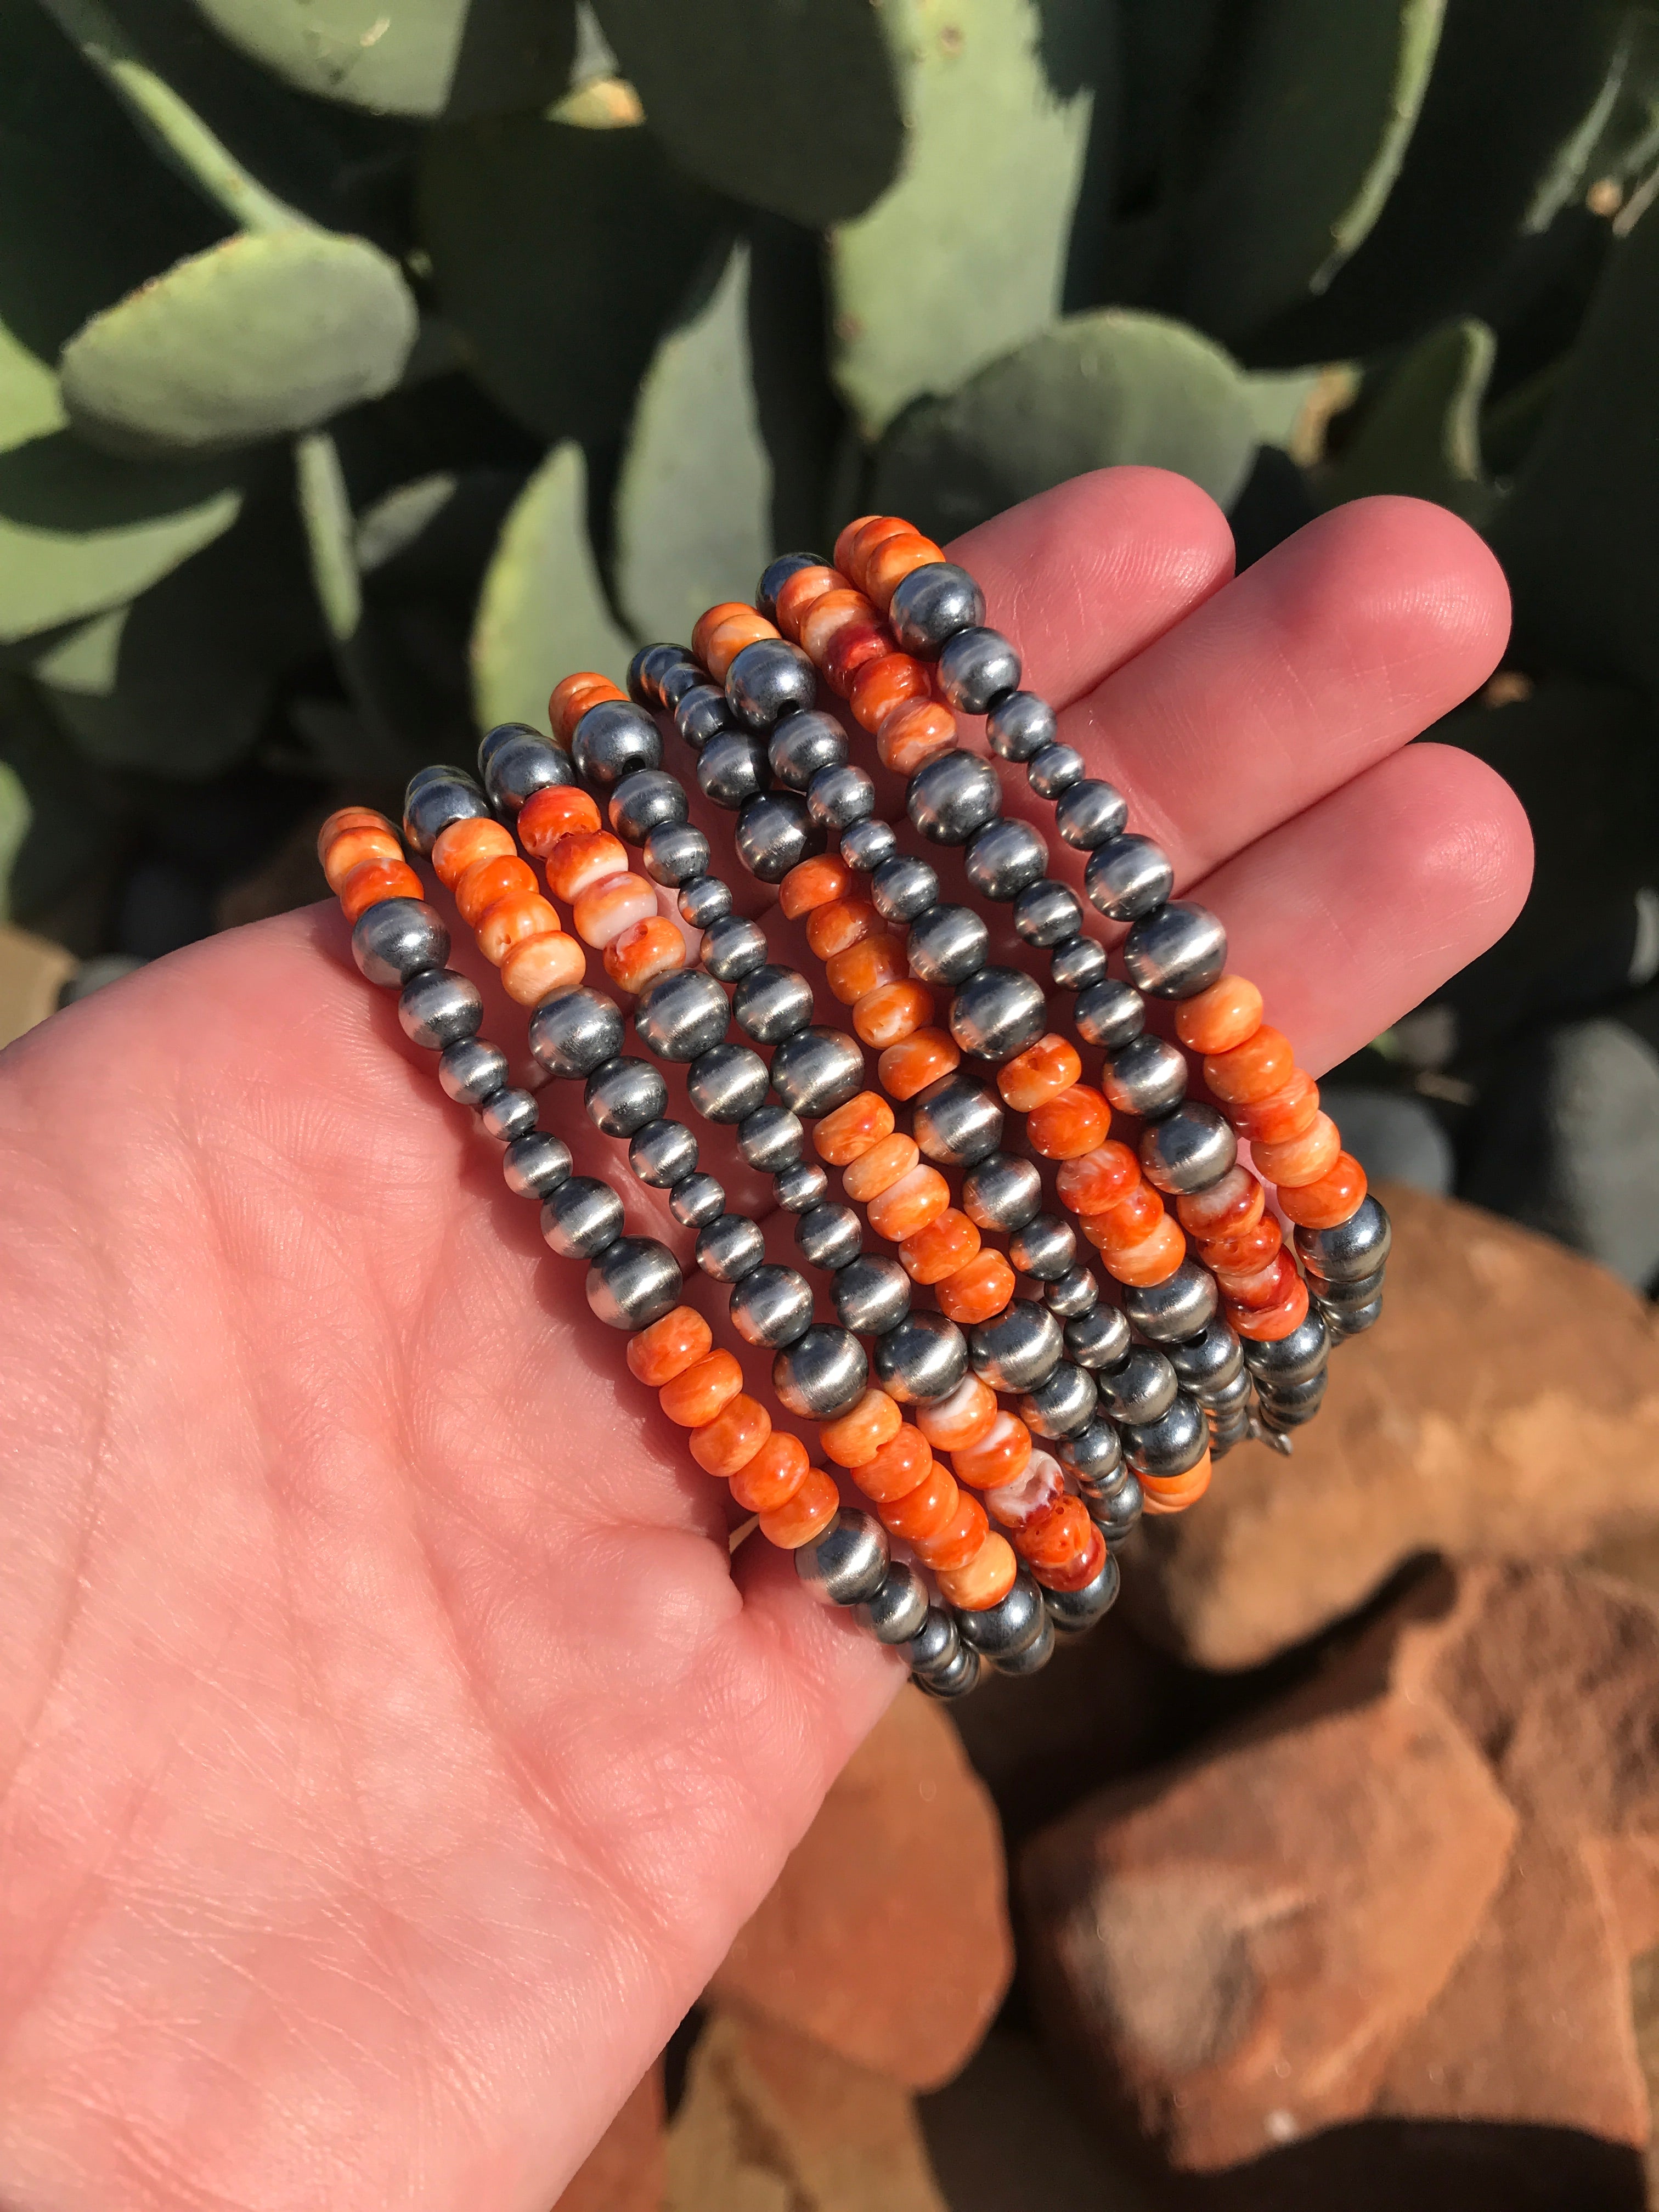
[1355,1247]
[681,1016]
[997,1013]
[1099,1339]
[894,1612]
[1052,773]
[776,574]
[1115,1512]
[676,854]
[730,1247]
[1073,1612]
[1128,877]
[726,1083]
[624,1095]
[536,1165]
[438,1008]
[1354,1320]
[924,1357]
[836,798]
[519,769]
[1341,1297]
[676,676]
[1002,1192]
[999,1631]
[1045,1247]
[1176,952]
[1141,1388]
[733,947]
[948,943]
[1005,860]
[663,1153]
[1181,1306]
[611,740]
[704,900]
[1047,914]
[902,888]
[771,1138]
[1063,1405]
[868,845]
[581,1217]
[1190,1149]
[931,605]
[956,1679]
[445,772]
[847,1563]
[823,1375]
[1111,1015]
[798,1189]
[472,1071]
[427,812]
[1290,1358]
[1226,1393]
[802,745]
[504,733]
[953,797]
[1019,1349]
[701,714]
[935,1644]
[956,1121]
[1020,725]
[633,1282]
[1147,1076]
[1090,812]
[774,834]
[731,768]
[507,1115]
[871,1294]
[647,668]
[1072,1295]
[772,1004]
[976,669]
[646,800]
[1035,1656]
[1078,964]
[772,1305]
[817,1071]
[829,1237]
[1172,1444]
[399,940]
[1299,1400]
[767,680]
[1094,1454]
[576,1032]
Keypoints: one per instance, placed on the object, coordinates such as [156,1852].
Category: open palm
[388,1752]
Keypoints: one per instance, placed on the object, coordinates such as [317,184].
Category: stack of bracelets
[1217,1334]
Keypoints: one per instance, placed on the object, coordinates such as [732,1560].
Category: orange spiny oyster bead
[667,1347]
[351,817]
[1074,1573]
[985,1580]
[1262,1287]
[1029,1497]
[372,881]
[720,633]
[1281,1115]
[813,883]
[1042,1071]
[831,614]
[978,1290]
[892,1011]
[1127,1221]
[842,554]
[772,1476]
[536,967]
[884,683]
[940,1248]
[914,734]
[924,1510]
[1232,1203]
[852,649]
[457,850]
[603,911]
[1266,1324]
[909,1204]
[1153,1259]
[853,1129]
[348,848]
[843,922]
[953,1423]
[902,1462]
[510,920]
[571,698]
[1264,1063]
[959,1540]
[881,1166]
[697,1392]
[800,593]
[875,530]
[1246,1250]
[1174,1493]
[645,951]
[1061,1537]
[1300,1159]
[864,967]
[999,1456]
[583,858]
[498,876]
[810,1509]
[919,1060]
[561,811]
[855,1438]
[1324,1204]
[1069,1127]
[893,560]
[1097,1179]
[1223,1016]
[731,1440]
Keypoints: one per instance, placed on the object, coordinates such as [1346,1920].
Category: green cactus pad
[257,337]
[542,613]
[1421,432]
[1097,390]
[426,58]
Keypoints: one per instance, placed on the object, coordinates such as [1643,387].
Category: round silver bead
[726,1083]
[774,834]
[534,1166]
[1299,1400]
[676,854]
[1045,1247]
[1090,812]
[521,767]
[698,1201]
[934,1643]
[1053,771]
[956,1121]
[771,1138]
[997,1013]
[581,1217]
[1172,1444]
[932,605]
[676,676]
[1352,1320]
[896,1610]
[624,1095]
[1063,1405]
[1019,1349]
[646,670]
[953,797]
[836,798]
[773,1004]
[634,1282]
[871,1294]
[868,845]
[903,889]
[999,1631]
[847,1563]
[1290,1358]
[1111,1015]
[767,680]
[1176,952]
[682,1016]
[798,1189]
[399,940]
[506,1114]
[829,1237]
[663,1153]
[948,943]
[733,947]
[733,768]
[1047,914]
[1141,1388]
[613,739]
[975,669]
[429,811]
[1099,1339]
[704,900]
[1078,964]
[924,1357]
[1128,877]
[776,574]
[1182,1305]
[1095,1453]
[1020,725]
[823,1375]
[956,1679]
[817,1071]
[702,715]
[1147,1076]
[438,1008]
[1340,1297]
[730,1247]
[472,1071]
[1001,1192]
[1190,1149]
[1035,1656]
[446,772]
[1228,1391]
[576,1032]
[1356,1247]
[1115,1512]
[772,1305]
[1073,1294]
[1004,860]
[1073,1612]
[646,800]
[802,745]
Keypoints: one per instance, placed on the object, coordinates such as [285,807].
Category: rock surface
[626,2169]
[1507,1402]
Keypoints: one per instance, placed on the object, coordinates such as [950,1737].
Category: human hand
[388,1752]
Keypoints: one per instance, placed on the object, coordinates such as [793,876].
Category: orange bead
[351,817]
[843,922]
[519,915]
[1328,1202]
[802,1516]
[813,883]
[561,811]
[985,1580]
[1098,1179]
[1218,1019]
[878,1169]
[1264,1063]
[463,844]
[892,1011]
[874,531]
[914,734]
[1001,1456]
[1029,1497]
[772,1476]
[372,881]
[958,1541]
[970,1413]
[1246,1250]
[497,876]
[1154,1259]
[697,1392]
[921,1058]
[802,591]
[583,858]
[603,911]
[864,967]
[1070,1126]
[1135,1215]
[1280,1117]
[1056,1540]
[856,1437]
[731,1440]
[1266,1324]
[853,648]
[643,953]
[1300,1159]
[348,848]
[892,561]
[885,683]
[1174,1493]
[828,615]
[536,967]
[842,553]
[1042,1071]
[720,633]
[1077,1572]
[572,696]
[897,1467]
[853,1129]
[978,1292]
[1264,1287]
[940,1248]
[1230,1204]
[924,1510]
[910,1205]
[657,1354]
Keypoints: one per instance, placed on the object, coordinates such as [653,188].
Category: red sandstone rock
[626,2169]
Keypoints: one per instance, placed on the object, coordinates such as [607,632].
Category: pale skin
[388,1750]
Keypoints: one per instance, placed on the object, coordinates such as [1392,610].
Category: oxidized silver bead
[772,1305]
[1005,860]
[829,1237]
[1094,1454]
[438,1008]
[1047,914]
[776,574]
[733,768]
[771,1138]
[1090,812]
[663,1153]
[429,811]
[1290,1358]
[1110,1014]
[1045,1247]
[1295,1402]
[676,854]
[836,798]
[624,1095]
[472,1071]
[1052,773]
[871,1294]
[679,676]
[774,834]
[682,1015]
[1352,1320]
[1002,1192]
[1099,1339]
[1115,1513]
[726,1083]
[957,1678]
[976,669]
[999,1631]
[646,800]
[948,943]
[847,1563]
[701,714]
[1141,1388]
[1190,1149]
[1078,964]
[441,772]
[934,1643]
[536,1165]
[1176,952]
[1172,1444]
[1342,1297]
[1019,1349]
[1035,1656]
[730,1247]
[922,1358]
[704,900]
[772,1004]
[997,1013]
[1229,1393]
[802,745]
[634,1282]
[1073,1612]
[508,1114]
[647,668]
[1128,877]
[823,1375]
[932,605]
[613,739]
[733,947]
[956,1121]
[817,1071]
[1062,1405]
[1020,725]
[576,1032]
[902,888]
[399,940]
[1356,1247]
[953,797]
[1147,1076]
[767,680]
[800,1188]
[895,1611]
[504,733]
[581,1217]
[1073,1294]
[868,845]
[1182,1305]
